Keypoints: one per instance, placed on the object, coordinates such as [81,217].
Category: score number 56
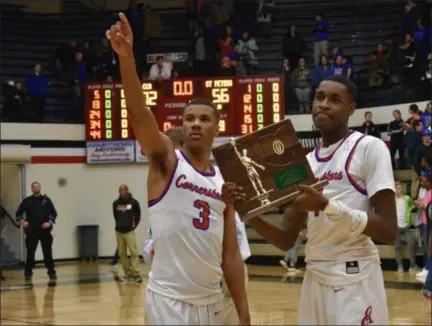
[220,95]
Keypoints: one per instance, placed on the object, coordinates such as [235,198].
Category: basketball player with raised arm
[343,283]
[193,229]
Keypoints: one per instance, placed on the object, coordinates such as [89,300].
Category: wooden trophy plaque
[268,164]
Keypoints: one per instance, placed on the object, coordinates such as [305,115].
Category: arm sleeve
[114,209]
[137,213]
[52,211]
[377,171]
[21,210]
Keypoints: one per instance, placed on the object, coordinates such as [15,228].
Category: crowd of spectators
[222,43]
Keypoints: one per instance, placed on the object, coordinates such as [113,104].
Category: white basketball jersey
[187,225]
[356,168]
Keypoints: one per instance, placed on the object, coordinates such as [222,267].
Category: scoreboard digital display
[245,104]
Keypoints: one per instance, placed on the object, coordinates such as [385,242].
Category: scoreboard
[245,104]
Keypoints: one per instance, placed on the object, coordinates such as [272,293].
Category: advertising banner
[111,152]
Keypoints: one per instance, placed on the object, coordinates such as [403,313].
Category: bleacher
[355,26]
[27,38]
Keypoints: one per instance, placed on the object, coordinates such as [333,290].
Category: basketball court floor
[87,293]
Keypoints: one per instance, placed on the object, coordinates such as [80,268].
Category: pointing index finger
[125,22]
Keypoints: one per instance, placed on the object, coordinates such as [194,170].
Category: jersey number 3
[202,222]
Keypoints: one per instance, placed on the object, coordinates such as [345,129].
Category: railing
[14,222]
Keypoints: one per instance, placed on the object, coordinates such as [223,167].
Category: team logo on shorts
[367,319]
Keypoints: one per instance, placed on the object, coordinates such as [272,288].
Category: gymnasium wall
[87,194]
[87,198]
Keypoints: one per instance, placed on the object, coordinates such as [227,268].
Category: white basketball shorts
[362,303]
[161,310]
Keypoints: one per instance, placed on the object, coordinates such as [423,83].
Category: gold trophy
[268,164]
[250,166]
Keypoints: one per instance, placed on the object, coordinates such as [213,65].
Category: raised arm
[153,143]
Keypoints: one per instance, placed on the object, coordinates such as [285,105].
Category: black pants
[31,241]
[37,103]
[115,258]
[399,146]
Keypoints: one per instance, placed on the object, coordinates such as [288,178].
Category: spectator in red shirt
[226,46]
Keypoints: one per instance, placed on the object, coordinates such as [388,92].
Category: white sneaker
[423,273]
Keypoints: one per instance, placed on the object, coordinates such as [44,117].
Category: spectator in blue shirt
[322,71]
[321,37]
[338,68]
[37,90]
[426,117]
[421,39]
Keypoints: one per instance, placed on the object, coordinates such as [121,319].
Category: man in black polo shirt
[40,215]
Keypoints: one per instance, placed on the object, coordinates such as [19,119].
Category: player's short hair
[368,112]
[398,183]
[159,57]
[176,135]
[349,85]
[206,102]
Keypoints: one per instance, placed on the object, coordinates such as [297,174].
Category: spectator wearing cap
[423,153]
[160,70]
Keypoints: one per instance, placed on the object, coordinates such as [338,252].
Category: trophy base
[263,198]
[279,202]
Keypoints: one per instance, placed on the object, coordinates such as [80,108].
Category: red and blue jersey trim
[212,173]
[354,183]
[154,201]
[330,156]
